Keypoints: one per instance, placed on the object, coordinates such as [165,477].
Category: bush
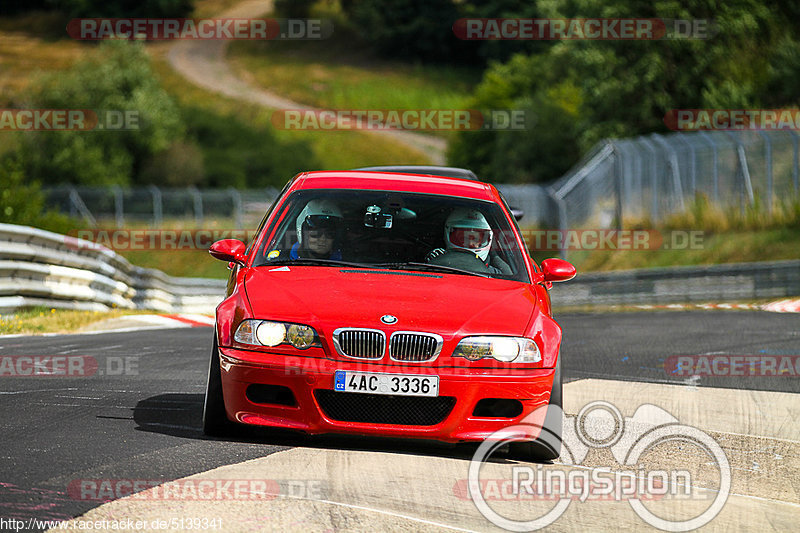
[179,165]
[407,29]
[294,9]
[237,154]
[22,201]
[125,8]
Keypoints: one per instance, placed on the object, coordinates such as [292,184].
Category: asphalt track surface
[145,423]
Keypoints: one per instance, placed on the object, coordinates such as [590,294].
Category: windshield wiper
[312,261]
[410,265]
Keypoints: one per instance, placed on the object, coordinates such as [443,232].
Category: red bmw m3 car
[398,303]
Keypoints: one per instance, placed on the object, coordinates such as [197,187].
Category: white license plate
[380,383]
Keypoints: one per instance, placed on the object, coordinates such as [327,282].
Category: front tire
[548,445]
[215,419]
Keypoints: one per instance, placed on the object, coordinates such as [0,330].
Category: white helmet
[318,214]
[467,229]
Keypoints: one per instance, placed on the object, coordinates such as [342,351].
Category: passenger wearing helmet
[319,229]
[466,230]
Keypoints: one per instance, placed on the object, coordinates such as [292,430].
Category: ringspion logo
[633,442]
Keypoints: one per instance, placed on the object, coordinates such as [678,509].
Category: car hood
[448,304]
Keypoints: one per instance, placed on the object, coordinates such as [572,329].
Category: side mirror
[517,213]
[557,270]
[228,250]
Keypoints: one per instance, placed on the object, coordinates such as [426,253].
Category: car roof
[431,170]
[395,181]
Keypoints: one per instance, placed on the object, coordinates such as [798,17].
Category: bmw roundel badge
[388,319]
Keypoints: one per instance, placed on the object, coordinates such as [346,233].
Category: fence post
[158,212]
[76,204]
[768,161]
[237,207]
[795,162]
[119,213]
[198,205]
[562,225]
[693,165]
[673,163]
[714,163]
[743,172]
[616,154]
[653,179]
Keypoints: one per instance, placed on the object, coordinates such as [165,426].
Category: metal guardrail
[693,284]
[41,268]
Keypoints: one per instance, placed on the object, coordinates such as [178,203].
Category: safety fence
[154,205]
[41,268]
[644,178]
[654,176]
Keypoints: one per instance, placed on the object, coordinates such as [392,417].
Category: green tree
[115,77]
[584,91]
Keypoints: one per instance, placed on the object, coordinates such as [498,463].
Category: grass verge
[332,149]
[46,320]
[342,73]
[713,248]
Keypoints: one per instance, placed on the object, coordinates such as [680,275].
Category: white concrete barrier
[42,268]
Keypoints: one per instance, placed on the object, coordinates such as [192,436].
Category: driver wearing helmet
[319,231]
[467,230]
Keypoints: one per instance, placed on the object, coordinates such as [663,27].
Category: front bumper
[305,375]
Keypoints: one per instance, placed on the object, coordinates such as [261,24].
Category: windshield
[381,229]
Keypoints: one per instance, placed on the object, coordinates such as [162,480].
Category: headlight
[300,336]
[269,333]
[506,349]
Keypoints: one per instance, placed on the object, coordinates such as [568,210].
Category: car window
[386,228]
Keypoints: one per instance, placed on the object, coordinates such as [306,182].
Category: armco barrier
[41,268]
[716,283]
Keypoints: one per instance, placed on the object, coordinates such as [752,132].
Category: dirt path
[204,64]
